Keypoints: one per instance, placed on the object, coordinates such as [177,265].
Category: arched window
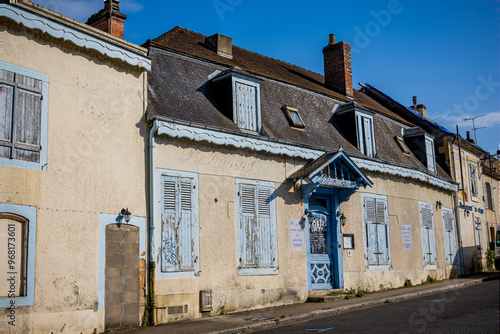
[13,237]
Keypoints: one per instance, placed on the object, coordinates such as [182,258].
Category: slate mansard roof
[180,88]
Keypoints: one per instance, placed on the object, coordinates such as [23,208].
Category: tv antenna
[474,125]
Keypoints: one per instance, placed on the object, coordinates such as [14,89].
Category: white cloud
[488,120]
[81,10]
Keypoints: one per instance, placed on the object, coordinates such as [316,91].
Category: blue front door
[320,248]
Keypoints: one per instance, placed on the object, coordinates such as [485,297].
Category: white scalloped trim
[82,39]
[219,138]
[404,172]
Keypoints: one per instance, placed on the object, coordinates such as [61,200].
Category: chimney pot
[414,100]
[331,40]
[469,139]
[338,70]
[221,44]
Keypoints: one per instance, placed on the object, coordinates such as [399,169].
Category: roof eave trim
[404,172]
[226,139]
[80,38]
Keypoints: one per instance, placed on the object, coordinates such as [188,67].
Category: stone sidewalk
[249,321]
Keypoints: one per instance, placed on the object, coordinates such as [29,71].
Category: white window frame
[239,233]
[432,245]
[363,136]
[42,165]
[380,267]
[30,213]
[452,238]
[158,230]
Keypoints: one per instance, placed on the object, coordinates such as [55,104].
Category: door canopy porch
[332,170]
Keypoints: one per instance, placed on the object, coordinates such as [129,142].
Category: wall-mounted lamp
[466,213]
[343,220]
[309,216]
[439,205]
[126,214]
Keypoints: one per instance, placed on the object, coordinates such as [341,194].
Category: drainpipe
[459,232]
[151,229]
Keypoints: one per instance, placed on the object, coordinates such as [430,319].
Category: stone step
[319,296]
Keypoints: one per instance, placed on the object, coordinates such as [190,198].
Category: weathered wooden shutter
[428,239]
[486,198]
[6,110]
[265,229]
[491,196]
[178,242]
[429,148]
[21,105]
[246,106]
[382,232]
[449,236]
[371,232]
[367,126]
[257,229]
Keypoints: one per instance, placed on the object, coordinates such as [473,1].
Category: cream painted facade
[95,165]
[217,169]
[471,203]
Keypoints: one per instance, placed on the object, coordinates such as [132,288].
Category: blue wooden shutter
[246,106]
[479,237]
[491,196]
[382,232]
[248,233]
[371,232]
[266,234]
[169,224]
[367,127]
[428,239]
[429,148]
[449,236]
[179,249]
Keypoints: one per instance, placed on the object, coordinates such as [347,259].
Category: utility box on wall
[205,300]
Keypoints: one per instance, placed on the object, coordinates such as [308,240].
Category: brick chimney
[338,71]
[420,108]
[109,19]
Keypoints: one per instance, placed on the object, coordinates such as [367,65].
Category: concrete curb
[322,313]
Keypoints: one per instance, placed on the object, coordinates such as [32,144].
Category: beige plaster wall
[403,209]
[96,165]
[217,168]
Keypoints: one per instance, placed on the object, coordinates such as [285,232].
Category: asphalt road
[470,309]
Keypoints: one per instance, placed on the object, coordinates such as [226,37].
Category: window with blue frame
[23,117]
[256,228]
[179,223]
[428,236]
[376,232]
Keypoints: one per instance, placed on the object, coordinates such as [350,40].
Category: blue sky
[444,52]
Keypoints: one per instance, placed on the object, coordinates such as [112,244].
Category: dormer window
[357,125]
[293,117]
[241,94]
[422,145]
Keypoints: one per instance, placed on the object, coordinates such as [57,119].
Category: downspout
[459,232]
[151,229]
[455,195]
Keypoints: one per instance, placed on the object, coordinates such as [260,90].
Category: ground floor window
[428,237]
[256,228]
[376,232]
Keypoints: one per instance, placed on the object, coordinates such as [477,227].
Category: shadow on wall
[474,260]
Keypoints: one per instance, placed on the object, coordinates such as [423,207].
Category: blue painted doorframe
[318,269]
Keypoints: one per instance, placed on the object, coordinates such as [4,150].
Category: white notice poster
[406,229]
[297,235]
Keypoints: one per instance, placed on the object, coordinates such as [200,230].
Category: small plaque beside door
[348,241]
